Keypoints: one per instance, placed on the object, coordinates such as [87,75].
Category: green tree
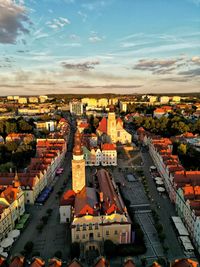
[75,250]
[109,248]
[182,149]
[11,127]
[29,247]
[11,146]
[24,126]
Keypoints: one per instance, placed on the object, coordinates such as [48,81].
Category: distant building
[76,107]
[123,106]
[46,125]
[43,98]
[33,99]
[112,130]
[159,112]
[153,99]
[102,102]
[176,99]
[164,99]
[22,100]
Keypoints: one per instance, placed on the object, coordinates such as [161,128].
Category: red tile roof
[68,198]
[103,126]
[17,261]
[108,146]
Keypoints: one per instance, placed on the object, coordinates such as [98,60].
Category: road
[165,211]
[54,236]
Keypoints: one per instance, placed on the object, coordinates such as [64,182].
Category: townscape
[108,180]
[99,133]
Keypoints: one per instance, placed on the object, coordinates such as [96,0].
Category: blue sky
[85,46]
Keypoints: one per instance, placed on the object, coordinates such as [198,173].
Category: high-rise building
[76,107]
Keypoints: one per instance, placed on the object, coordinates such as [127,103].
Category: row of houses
[106,155]
[20,261]
[18,189]
[183,186]
[22,188]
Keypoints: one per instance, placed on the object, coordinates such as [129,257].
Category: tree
[58,254]
[182,149]
[11,146]
[11,127]
[2,127]
[109,248]
[29,247]
[75,250]
[24,126]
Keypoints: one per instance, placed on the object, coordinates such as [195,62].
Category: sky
[99,46]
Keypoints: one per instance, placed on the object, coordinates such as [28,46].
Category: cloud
[157,66]
[83,15]
[190,73]
[196,60]
[82,66]
[13,21]
[94,39]
[74,37]
[58,23]
[106,86]
[95,4]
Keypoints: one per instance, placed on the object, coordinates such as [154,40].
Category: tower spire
[16,182]
[77,151]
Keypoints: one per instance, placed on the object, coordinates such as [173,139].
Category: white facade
[97,157]
[65,214]
[11,212]
[76,108]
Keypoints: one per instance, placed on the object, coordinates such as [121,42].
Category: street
[54,236]
[165,211]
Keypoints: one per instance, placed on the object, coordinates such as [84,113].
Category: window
[96,226]
[78,227]
[83,236]
[84,227]
[77,236]
[90,226]
[116,232]
[98,235]
[107,232]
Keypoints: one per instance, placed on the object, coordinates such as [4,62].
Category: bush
[39,227]
[75,250]
[44,219]
[29,247]
[109,248]
[36,254]
[159,227]
[58,254]
[126,250]
[49,211]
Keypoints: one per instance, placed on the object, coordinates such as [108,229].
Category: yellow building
[113,130]
[103,102]
[153,99]
[176,99]
[22,100]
